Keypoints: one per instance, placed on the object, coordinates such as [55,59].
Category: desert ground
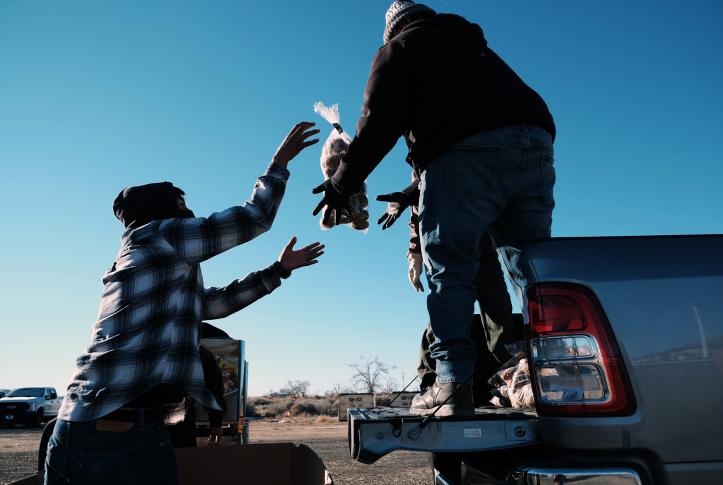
[325,435]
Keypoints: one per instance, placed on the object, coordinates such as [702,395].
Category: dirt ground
[329,441]
[18,453]
[327,437]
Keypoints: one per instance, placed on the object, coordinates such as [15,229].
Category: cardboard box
[263,463]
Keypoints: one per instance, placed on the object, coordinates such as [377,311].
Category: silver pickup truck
[625,344]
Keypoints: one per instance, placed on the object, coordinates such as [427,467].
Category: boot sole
[444,411]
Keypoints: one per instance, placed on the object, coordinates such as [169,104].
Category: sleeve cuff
[271,278]
[277,171]
[345,179]
[283,273]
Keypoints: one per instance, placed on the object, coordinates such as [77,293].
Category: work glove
[336,199]
[397,203]
[415,270]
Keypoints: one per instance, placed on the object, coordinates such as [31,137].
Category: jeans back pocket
[473,170]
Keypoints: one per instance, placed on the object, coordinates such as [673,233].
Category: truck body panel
[663,297]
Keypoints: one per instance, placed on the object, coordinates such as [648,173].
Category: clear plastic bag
[332,153]
[513,384]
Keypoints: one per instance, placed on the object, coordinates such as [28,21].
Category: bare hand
[294,143]
[291,260]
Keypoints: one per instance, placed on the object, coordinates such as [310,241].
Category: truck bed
[374,432]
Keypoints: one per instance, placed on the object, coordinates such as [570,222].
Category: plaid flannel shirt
[148,326]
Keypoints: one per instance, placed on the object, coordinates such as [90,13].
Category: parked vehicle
[625,345]
[29,406]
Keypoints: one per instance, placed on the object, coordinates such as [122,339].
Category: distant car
[29,406]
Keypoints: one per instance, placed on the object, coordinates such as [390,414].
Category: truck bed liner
[374,432]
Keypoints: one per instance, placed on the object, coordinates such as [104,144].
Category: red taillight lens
[577,367]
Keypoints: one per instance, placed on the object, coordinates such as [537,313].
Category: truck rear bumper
[377,431]
[553,476]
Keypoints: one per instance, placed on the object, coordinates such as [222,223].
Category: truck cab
[29,406]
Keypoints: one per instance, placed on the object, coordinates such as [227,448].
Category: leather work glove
[397,203]
[415,270]
[336,200]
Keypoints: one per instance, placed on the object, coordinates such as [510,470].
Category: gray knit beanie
[400,10]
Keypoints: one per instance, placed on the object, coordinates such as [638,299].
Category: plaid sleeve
[199,238]
[222,302]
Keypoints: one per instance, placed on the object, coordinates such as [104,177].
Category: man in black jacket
[482,142]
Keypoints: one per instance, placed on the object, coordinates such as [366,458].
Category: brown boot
[459,405]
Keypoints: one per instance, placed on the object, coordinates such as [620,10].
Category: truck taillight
[577,368]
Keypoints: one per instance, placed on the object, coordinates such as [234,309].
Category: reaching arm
[200,238]
[222,302]
[383,118]
[197,239]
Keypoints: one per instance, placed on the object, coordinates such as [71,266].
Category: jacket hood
[454,23]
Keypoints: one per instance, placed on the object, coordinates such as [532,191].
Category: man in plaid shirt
[144,350]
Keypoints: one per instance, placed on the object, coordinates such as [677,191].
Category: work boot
[459,405]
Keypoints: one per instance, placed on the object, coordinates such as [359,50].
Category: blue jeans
[501,180]
[123,453]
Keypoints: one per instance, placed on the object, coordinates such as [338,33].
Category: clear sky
[95,96]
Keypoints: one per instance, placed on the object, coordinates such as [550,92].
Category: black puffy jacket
[436,81]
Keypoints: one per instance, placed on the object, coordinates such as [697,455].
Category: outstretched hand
[306,256]
[397,203]
[294,143]
[335,199]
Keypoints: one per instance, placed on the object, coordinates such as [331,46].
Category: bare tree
[368,373]
[390,386]
[296,388]
[337,389]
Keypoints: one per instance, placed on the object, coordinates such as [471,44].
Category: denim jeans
[123,453]
[499,180]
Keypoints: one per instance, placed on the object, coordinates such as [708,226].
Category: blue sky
[95,96]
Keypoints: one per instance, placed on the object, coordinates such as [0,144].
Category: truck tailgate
[374,432]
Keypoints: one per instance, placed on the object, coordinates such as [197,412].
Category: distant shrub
[259,401]
[327,407]
[277,407]
[303,408]
[252,412]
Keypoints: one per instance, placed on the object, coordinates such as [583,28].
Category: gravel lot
[18,453]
